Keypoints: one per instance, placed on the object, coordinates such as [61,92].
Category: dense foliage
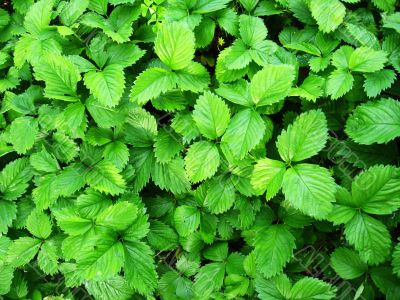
[200,149]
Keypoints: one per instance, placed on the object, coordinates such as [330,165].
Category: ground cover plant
[199,149]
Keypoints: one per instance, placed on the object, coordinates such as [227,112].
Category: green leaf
[8,212]
[396,260]
[377,190]
[310,89]
[174,45]
[48,257]
[167,145]
[118,216]
[272,84]
[367,60]
[100,262]
[115,287]
[104,177]
[252,30]
[304,138]
[268,175]
[238,56]
[209,278]
[14,178]
[273,248]
[118,153]
[139,267]
[152,83]
[60,75]
[378,81]
[244,132]
[313,289]
[328,14]
[374,122]
[6,277]
[38,223]
[347,263]
[22,251]
[369,237]
[194,77]
[38,16]
[107,85]
[220,195]
[275,288]
[211,115]
[44,161]
[171,176]
[187,219]
[339,83]
[385,5]
[23,133]
[197,154]
[161,236]
[310,189]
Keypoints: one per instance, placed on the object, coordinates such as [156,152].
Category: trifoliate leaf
[174,45]
[347,263]
[310,189]
[244,132]
[374,122]
[272,84]
[211,115]
[369,237]
[304,138]
[197,154]
[273,248]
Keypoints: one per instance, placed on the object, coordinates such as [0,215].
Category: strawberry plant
[199,149]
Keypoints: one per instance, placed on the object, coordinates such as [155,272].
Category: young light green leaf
[38,223]
[244,132]
[268,175]
[174,45]
[328,14]
[367,60]
[310,189]
[369,237]
[197,154]
[273,249]
[23,133]
[187,219]
[118,216]
[347,263]
[272,84]
[339,83]
[107,85]
[44,161]
[211,115]
[374,122]
[378,81]
[304,138]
